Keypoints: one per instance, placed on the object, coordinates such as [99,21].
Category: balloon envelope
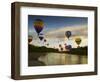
[41,36]
[30,38]
[38,25]
[60,45]
[68,34]
[68,47]
[78,41]
[48,44]
[45,40]
[61,49]
[65,44]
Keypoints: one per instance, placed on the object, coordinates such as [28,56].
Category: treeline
[32,48]
[79,51]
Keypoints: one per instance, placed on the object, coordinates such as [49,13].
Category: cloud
[60,33]
[56,37]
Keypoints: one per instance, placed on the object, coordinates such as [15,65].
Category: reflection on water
[62,59]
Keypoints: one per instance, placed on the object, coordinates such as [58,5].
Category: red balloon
[30,38]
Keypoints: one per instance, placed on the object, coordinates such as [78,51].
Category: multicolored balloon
[78,41]
[38,25]
[68,47]
[68,34]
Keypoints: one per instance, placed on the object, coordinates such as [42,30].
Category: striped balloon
[38,25]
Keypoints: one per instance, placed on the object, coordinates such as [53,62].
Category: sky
[54,30]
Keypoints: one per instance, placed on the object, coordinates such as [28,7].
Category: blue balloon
[68,34]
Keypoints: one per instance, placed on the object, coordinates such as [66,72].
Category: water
[62,59]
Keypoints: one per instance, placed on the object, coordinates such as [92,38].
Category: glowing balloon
[68,34]
[78,41]
[38,25]
[30,39]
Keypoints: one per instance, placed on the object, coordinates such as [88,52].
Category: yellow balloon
[78,40]
[39,23]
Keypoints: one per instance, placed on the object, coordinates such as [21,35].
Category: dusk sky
[55,27]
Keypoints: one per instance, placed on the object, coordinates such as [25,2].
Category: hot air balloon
[30,38]
[78,41]
[38,25]
[68,47]
[65,44]
[47,44]
[45,40]
[60,45]
[68,34]
[61,49]
[41,36]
